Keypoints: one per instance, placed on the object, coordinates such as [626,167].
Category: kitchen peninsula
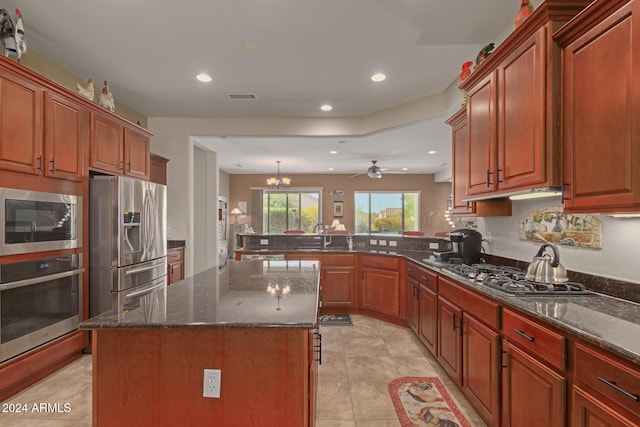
[255,321]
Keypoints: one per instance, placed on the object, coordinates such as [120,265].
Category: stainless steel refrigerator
[128,247]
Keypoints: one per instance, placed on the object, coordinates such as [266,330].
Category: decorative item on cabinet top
[13,35]
[551,224]
[526,9]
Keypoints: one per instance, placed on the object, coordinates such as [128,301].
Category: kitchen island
[255,321]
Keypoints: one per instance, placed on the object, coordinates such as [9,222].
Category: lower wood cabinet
[338,286]
[413,304]
[380,286]
[428,318]
[533,394]
[590,411]
[450,339]
[175,265]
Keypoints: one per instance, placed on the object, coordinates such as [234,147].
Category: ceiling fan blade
[358,174]
[394,172]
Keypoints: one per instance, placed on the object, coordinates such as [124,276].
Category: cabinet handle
[122,164]
[425,278]
[129,167]
[523,335]
[461,328]
[318,347]
[489,178]
[498,170]
[454,322]
[562,192]
[39,163]
[502,354]
[613,385]
[53,165]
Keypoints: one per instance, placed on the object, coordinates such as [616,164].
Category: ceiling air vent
[241,95]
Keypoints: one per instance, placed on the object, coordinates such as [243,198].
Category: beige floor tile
[371,401]
[335,423]
[371,369]
[414,366]
[333,368]
[334,402]
[365,346]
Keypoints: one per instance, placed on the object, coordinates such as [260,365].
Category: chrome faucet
[326,239]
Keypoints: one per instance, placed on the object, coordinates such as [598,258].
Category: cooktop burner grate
[512,280]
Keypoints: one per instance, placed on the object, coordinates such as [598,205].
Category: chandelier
[278,181]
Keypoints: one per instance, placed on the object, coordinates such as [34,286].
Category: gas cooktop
[512,280]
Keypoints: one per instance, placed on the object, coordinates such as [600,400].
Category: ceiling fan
[374,171]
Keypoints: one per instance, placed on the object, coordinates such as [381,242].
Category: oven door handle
[41,279]
[146,290]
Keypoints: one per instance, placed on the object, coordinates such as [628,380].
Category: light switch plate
[264,241]
[382,242]
[393,243]
[373,242]
[433,245]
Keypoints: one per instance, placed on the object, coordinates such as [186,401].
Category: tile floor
[358,362]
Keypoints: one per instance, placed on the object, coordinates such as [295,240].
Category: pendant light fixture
[278,181]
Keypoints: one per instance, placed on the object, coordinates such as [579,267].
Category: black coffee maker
[466,245]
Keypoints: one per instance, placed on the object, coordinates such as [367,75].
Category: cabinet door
[459,148]
[176,272]
[107,152]
[522,115]
[136,154]
[480,368]
[338,286]
[449,339]
[428,319]
[532,394]
[21,127]
[588,411]
[601,96]
[381,291]
[481,119]
[413,304]
[65,137]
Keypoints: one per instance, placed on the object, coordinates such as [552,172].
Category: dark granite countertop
[602,320]
[234,297]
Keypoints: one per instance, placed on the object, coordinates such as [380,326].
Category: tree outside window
[290,210]
[387,212]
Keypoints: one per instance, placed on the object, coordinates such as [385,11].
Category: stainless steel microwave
[32,221]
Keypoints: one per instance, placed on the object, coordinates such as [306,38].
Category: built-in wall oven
[33,221]
[40,300]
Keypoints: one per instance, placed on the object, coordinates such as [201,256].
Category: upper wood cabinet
[601,98]
[158,169]
[117,148]
[21,124]
[459,170]
[513,112]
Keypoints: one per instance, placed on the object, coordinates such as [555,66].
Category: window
[290,210]
[387,212]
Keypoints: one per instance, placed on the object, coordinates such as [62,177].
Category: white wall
[618,258]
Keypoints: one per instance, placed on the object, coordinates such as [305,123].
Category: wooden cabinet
[117,148]
[66,133]
[175,265]
[468,345]
[338,282]
[533,395]
[158,169]
[605,391]
[380,286]
[601,101]
[422,285]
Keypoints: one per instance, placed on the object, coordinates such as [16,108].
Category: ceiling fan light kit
[375,172]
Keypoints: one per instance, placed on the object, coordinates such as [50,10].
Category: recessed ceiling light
[378,77]
[333,152]
[330,169]
[432,152]
[326,107]
[405,169]
[205,78]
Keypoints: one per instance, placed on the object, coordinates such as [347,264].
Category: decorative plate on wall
[551,224]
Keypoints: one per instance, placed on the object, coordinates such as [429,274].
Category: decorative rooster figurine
[526,9]
[485,52]
[88,92]
[106,98]
[466,70]
[12,35]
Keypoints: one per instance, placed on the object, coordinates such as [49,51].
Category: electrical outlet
[264,241]
[373,242]
[211,386]
[433,245]
[382,242]
[393,243]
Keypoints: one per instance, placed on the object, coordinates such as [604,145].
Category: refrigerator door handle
[140,270]
[146,290]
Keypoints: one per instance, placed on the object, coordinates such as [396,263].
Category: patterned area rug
[425,402]
[335,319]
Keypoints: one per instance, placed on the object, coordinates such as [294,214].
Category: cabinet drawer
[175,255]
[480,307]
[423,276]
[612,379]
[539,340]
[346,260]
[385,262]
